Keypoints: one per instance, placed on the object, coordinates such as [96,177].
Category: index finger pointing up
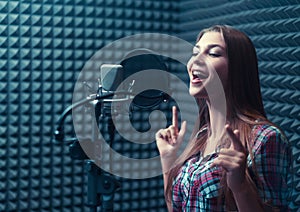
[174,117]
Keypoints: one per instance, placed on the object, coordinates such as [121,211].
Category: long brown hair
[244,104]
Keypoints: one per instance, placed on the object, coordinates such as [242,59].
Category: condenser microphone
[111,76]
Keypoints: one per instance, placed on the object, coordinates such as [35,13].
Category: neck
[217,114]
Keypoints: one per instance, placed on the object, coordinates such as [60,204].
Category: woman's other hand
[233,160]
[169,140]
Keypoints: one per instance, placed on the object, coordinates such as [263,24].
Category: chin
[198,93]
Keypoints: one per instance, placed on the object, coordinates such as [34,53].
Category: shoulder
[272,159]
[268,136]
[267,132]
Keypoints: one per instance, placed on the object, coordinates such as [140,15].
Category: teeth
[199,74]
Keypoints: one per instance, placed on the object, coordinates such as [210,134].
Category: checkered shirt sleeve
[196,187]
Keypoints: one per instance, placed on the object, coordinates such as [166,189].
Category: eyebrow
[212,46]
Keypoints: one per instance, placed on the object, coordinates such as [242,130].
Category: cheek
[189,64]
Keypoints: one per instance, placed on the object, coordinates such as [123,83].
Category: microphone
[136,61]
[111,76]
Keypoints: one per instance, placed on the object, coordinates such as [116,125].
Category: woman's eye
[214,54]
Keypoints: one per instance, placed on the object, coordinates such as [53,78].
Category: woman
[242,165]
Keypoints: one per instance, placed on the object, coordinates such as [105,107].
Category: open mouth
[198,76]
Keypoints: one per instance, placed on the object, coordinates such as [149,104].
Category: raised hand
[233,161]
[169,140]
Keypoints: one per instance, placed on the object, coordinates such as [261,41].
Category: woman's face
[209,57]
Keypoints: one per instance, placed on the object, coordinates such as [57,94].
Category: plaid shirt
[196,188]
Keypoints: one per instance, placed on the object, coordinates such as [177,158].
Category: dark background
[45,44]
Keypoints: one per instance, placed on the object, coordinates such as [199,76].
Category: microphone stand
[101,185]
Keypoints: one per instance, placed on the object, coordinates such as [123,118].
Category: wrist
[167,162]
[243,189]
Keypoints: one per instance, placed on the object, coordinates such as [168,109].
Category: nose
[198,60]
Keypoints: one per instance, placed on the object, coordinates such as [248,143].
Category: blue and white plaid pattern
[196,188]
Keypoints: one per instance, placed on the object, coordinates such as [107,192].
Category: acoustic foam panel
[43,47]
